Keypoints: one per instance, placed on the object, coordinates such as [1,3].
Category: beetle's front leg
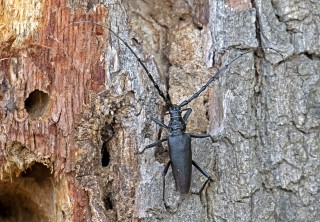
[187,114]
[160,123]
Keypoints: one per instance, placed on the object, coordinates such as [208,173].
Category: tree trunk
[76,107]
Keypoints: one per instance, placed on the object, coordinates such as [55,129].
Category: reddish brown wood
[65,65]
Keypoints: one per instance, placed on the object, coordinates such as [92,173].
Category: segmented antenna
[165,98]
[214,77]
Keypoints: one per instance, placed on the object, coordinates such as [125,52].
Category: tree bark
[76,107]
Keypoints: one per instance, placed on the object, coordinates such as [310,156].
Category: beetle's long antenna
[214,77]
[165,98]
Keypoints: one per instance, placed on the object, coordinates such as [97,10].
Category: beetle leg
[153,145]
[165,171]
[160,123]
[202,136]
[204,173]
[187,114]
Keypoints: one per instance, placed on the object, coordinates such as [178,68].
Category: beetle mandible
[179,142]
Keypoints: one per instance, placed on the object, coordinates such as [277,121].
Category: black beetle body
[181,160]
[179,143]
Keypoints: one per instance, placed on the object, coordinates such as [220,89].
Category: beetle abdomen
[181,160]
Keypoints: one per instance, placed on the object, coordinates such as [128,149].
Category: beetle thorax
[176,123]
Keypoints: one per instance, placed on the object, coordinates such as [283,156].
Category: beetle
[179,142]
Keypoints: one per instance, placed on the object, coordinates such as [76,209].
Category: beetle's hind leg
[165,171]
[204,173]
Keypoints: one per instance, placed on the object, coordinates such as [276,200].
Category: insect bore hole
[107,202]
[37,103]
[6,211]
[17,207]
[200,28]
[105,156]
[39,172]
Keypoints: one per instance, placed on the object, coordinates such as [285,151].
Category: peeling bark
[76,106]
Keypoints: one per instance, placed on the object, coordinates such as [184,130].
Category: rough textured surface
[46,80]
[80,144]
[267,127]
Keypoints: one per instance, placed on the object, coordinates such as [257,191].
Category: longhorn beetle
[179,142]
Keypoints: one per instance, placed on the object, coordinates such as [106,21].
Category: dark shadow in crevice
[38,171]
[105,156]
[107,202]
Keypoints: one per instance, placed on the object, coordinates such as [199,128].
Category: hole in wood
[107,202]
[37,103]
[105,156]
[28,189]
[28,197]
[199,28]
[107,133]
[39,172]
[18,208]
[6,211]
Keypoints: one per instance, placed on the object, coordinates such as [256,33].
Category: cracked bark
[79,145]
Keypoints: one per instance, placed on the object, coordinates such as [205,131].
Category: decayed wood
[76,106]
[63,70]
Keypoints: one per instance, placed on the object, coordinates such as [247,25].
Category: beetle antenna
[165,98]
[214,77]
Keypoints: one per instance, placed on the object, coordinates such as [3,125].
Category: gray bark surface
[263,111]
